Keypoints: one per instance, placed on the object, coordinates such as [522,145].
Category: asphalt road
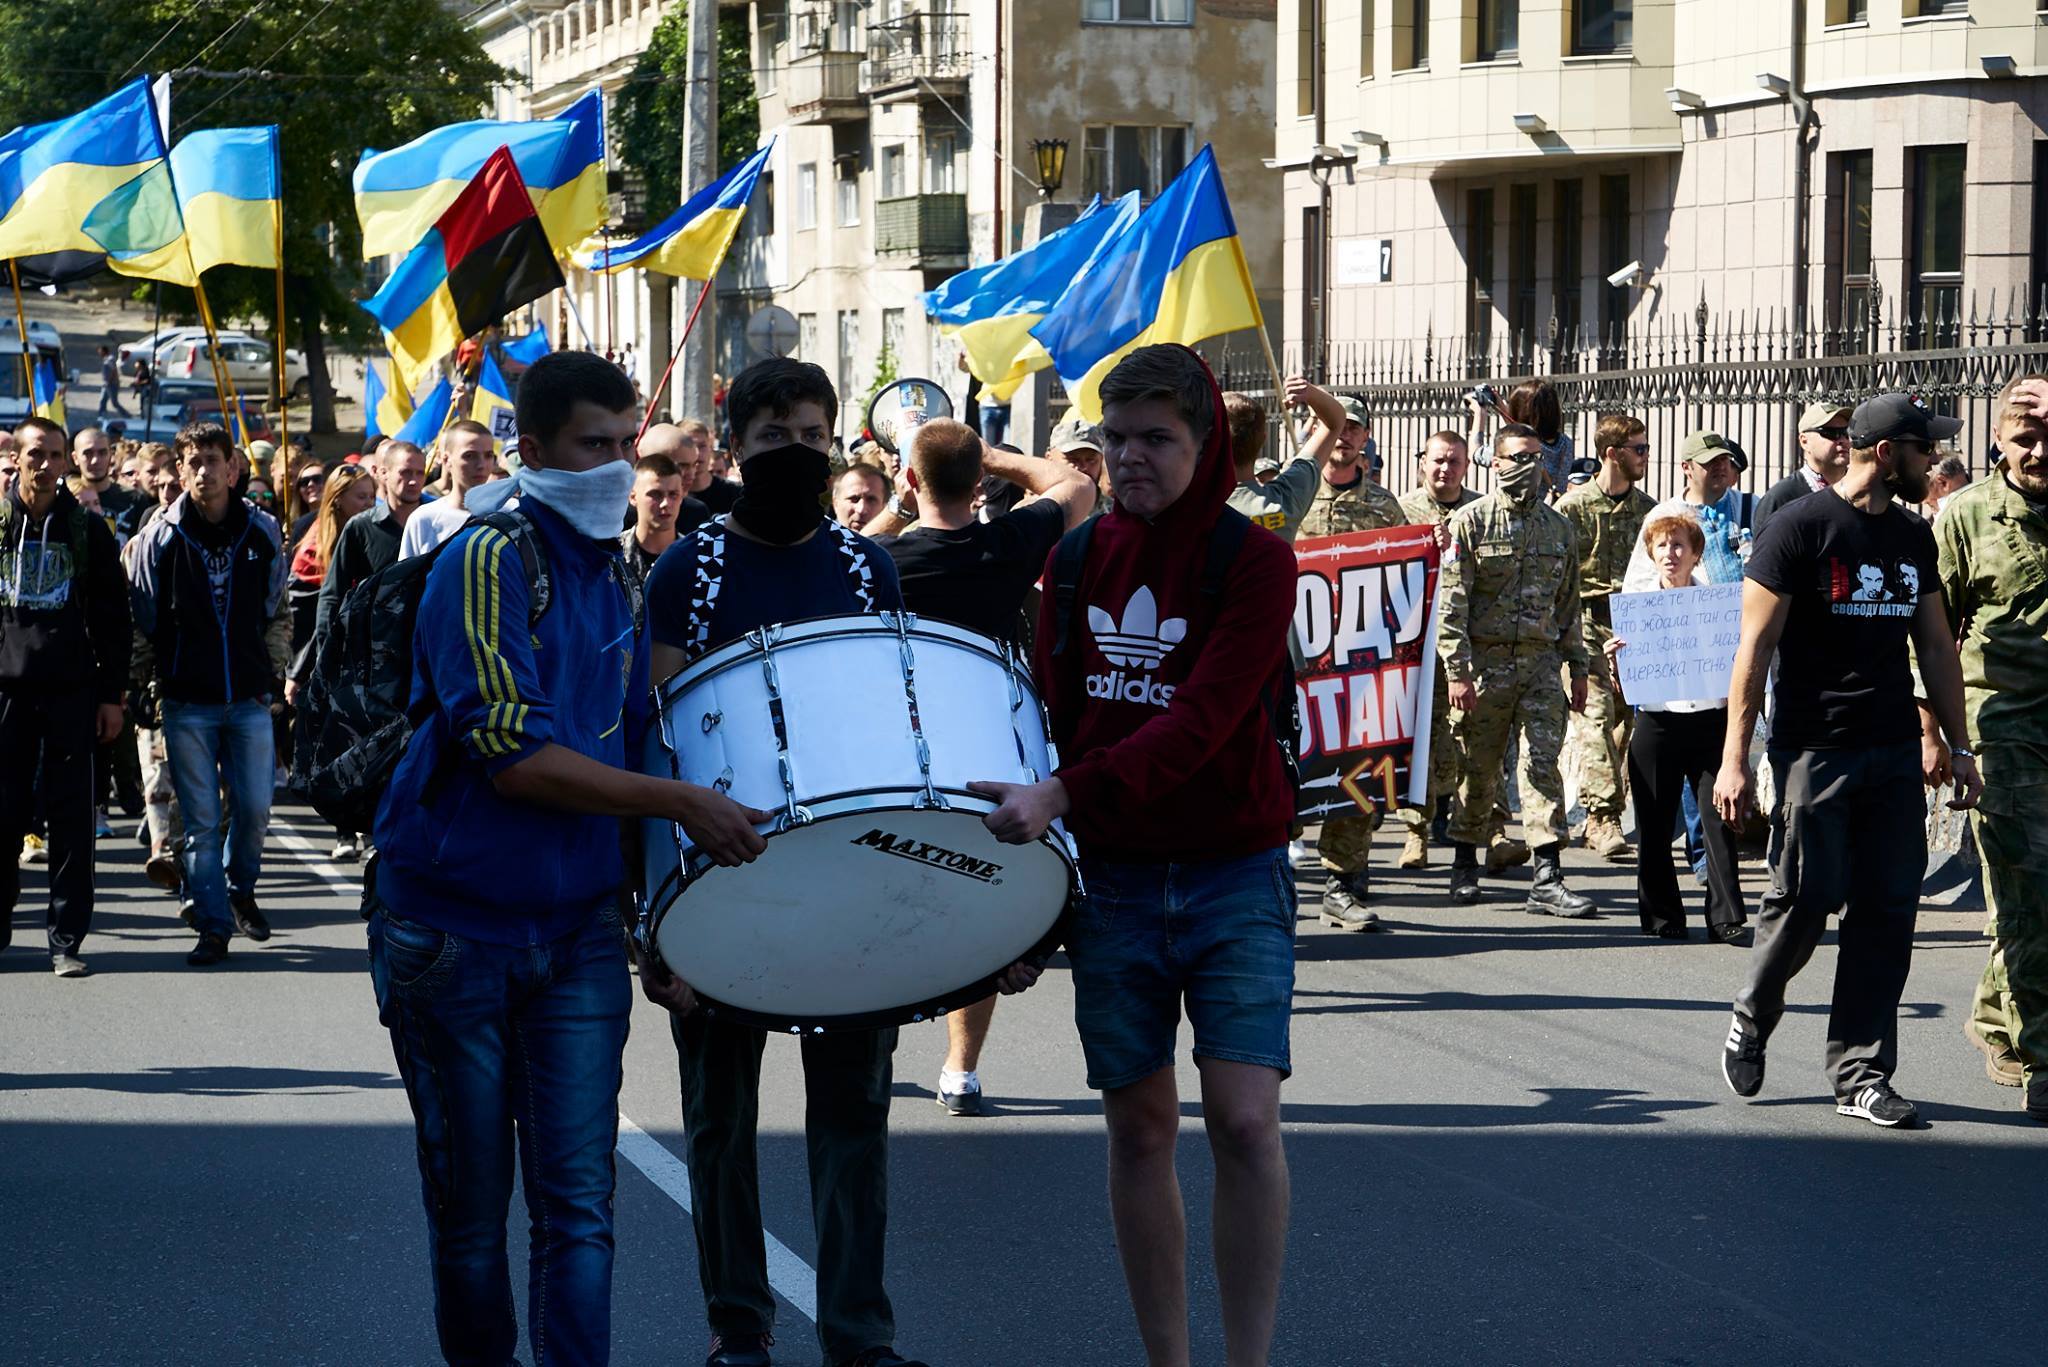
[1509,1137]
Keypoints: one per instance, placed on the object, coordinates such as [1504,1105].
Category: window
[807,196]
[1136,11]
[1939,7]
[1522,268]
[1500,23]
[849,347]
[1615,304]
[1936,246]
[1479,272]
[846,27]
[1848,11]
[940,158]
[761,215]
[1411,35]
[892,334]
[773,28]
[807,336]
[1365,28]
[1118,158]
[1849,228]
[1308,57]
[2040,237]
[1600,26]
[1566,271]
[894,183]
[846,187]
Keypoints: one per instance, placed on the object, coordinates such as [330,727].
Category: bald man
[691,458]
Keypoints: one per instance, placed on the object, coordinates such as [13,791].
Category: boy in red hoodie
[1173,783]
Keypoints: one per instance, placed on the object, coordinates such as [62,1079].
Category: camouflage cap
[1821,413]
[1077,435]
[1355,410]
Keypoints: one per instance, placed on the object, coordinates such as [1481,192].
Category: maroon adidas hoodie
[1160,703]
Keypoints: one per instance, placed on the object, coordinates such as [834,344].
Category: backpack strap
[1226,538]
[533,557]
[1068,562]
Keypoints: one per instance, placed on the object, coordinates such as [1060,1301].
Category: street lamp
[1051,156]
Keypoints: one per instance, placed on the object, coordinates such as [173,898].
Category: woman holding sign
[1674,742]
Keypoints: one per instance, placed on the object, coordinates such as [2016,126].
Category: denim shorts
[1218,935]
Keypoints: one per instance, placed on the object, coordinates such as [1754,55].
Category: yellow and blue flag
[52,174]
[400,194]
[49,393]
[1175,273]
[385,406]
[217,201]
[528,349]
[492,404]
[990,310]
[691,242]
[429,418]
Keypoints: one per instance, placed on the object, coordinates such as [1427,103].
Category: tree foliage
[647,116]
[336,76]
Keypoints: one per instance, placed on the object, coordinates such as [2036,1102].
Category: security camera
[1631,274]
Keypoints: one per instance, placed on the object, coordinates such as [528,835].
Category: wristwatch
[898,507]
[1961,752]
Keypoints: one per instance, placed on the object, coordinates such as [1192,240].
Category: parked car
[178,402]
[248,364]
[14,401]
[149,346]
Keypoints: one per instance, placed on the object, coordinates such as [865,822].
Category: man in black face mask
[777,557]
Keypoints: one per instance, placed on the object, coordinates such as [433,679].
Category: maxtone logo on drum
[903,847]
[1140,641]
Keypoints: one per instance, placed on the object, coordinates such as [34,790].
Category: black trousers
[846,1131]
[1668,750]
[46,753]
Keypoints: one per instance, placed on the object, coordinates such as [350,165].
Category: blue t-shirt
[765,584]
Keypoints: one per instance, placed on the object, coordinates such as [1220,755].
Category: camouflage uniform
[1608,529]
[1994,581]
[1420,508]
[1509,622]
[1362,506]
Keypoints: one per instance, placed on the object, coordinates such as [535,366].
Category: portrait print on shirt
[1873,588]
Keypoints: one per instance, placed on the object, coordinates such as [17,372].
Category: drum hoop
[732,653]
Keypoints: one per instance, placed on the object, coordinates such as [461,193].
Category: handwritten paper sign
[1679,644]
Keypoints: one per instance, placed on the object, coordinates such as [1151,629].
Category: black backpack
[356,715]
[1225,540]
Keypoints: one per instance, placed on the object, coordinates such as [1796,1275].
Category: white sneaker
[68,966]
[344,852]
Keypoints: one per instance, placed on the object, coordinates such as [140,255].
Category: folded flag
[528,349]
[49,392]
[429,418]
[485,256]
[217,201]
[1174,273]
[402,193]
[385,406]
[52,174]
[492,404]
[692,241]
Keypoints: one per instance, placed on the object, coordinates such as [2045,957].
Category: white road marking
[791,1276]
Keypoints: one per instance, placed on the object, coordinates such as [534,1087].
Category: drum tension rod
[930,797]
[764,639]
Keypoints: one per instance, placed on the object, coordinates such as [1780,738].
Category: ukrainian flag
[49,393]
[1176,273]
[990,310]
[52,174]
[690,242]
[402,193]
[429,418]
[217,201]
[385,406]
[492,404]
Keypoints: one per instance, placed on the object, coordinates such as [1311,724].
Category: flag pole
[223,383]
[569,298]
[290,494]
[1266,345]
[654,399]
[28,370]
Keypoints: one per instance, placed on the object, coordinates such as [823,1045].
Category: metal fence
[1746,376]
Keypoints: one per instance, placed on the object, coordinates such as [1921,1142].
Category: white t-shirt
[430,525]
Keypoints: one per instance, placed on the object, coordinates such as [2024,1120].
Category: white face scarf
[594,502]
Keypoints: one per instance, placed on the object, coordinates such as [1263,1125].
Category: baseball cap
[1076,435]
[1819,414]
[1355,410]
[1704,448]
[1895,417]
[1267,465]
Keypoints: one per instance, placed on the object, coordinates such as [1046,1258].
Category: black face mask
[782,492]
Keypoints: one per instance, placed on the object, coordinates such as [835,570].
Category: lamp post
[1050,154]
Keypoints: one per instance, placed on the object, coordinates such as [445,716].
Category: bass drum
[881,898]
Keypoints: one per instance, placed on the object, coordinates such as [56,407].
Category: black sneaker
[961,1103]
[1880,1105]
[249,918]
[1742,1060]
[741,1350]
[211,949]
[881,1357]
[2037,1097]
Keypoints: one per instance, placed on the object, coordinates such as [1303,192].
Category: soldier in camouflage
[1993,544]
[1607,514]
[1346,500]
[1509,624]
[1439,494]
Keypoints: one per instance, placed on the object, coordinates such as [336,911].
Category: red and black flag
[485,256]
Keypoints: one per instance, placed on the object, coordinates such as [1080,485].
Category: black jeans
[846,1129]
[1855,825]
[1668,750]
[46,744]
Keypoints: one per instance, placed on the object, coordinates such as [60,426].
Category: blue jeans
[1695,831]
[493,1039]
[1219,935]
[208,745]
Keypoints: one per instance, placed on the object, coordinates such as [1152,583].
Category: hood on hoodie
[1196,510]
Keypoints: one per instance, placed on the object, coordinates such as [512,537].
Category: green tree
[336,77]
[647,116]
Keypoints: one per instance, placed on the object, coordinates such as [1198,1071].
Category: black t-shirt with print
[1855,580]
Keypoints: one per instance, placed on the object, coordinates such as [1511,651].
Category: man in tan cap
[1824,449]
[1078,443]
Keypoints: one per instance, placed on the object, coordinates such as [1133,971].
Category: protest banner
[1677,644]
[1365,626]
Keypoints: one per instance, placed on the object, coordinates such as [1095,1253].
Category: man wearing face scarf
[777,557]
[1509,621]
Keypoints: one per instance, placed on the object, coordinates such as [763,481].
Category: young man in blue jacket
[496,949]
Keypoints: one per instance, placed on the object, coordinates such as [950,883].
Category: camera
[1483,395]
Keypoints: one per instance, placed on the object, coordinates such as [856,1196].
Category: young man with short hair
[110,383]
[371,539]
[1180,801]
[691,454]
[1444,462]
[92,457]
[64,647]
[1277,503]
[656,498]
[468,457]
[717,495]
[1837,588]
[497,952]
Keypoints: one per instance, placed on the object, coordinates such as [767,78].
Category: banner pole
[28,368]
[223,383]
[654,399]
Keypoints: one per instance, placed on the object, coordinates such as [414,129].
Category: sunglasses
[1831,433]
[314,481]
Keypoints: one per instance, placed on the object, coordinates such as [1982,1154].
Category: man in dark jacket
[370,540]
[1824,459]
[63,660]
[209,607]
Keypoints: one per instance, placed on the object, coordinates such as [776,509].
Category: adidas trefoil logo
[1142,641]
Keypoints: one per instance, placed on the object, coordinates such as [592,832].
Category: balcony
[930,230]
[919,54]
[824,87]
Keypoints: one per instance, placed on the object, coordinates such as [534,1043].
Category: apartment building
[1490,169]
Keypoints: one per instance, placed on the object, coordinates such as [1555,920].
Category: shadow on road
[204,1080]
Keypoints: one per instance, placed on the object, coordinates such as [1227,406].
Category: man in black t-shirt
[1837,586]
[975,575]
